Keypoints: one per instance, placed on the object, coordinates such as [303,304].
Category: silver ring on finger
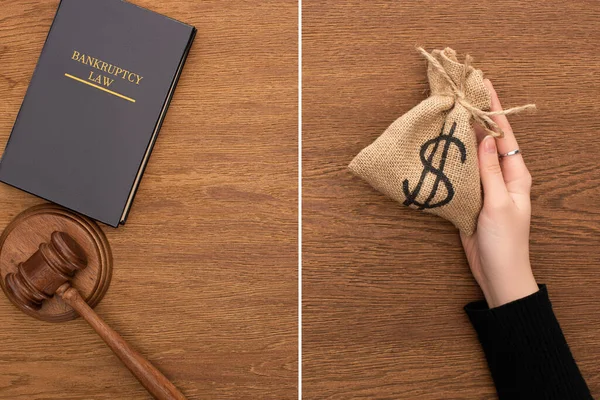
[510,153]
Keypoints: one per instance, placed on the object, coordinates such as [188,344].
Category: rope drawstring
[480,116]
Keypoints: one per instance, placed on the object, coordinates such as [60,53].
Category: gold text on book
[108,69]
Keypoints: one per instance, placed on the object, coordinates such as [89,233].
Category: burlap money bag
[427,158]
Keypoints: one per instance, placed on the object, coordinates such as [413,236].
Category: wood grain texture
[383,285]
[205,270]
[151,378]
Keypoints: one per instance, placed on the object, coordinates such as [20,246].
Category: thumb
[494,188]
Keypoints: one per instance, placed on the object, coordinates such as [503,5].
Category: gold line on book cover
[100,87]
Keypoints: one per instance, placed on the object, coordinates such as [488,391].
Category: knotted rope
[480,116]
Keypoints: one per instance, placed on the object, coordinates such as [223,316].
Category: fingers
[514,171]
[480,133]
[494,188]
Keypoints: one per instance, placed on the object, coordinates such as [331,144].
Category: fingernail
[489,144]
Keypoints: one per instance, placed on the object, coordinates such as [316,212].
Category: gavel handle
[150,377]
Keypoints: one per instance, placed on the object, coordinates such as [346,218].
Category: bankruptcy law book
[94,106]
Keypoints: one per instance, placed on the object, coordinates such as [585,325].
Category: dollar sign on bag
[438,172]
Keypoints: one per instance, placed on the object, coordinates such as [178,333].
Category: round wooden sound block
[23,236]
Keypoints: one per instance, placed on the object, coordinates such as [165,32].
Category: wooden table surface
[384,285]
[205,273]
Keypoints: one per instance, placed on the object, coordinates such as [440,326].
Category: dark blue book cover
[94,106]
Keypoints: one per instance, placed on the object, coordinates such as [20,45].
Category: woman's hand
[498,252]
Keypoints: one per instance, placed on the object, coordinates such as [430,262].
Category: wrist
[516,288]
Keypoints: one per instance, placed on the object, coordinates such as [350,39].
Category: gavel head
[52,265]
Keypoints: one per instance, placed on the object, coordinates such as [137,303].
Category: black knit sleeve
[526,351]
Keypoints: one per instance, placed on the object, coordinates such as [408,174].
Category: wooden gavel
[48,271]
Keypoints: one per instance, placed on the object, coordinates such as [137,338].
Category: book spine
[138,179]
